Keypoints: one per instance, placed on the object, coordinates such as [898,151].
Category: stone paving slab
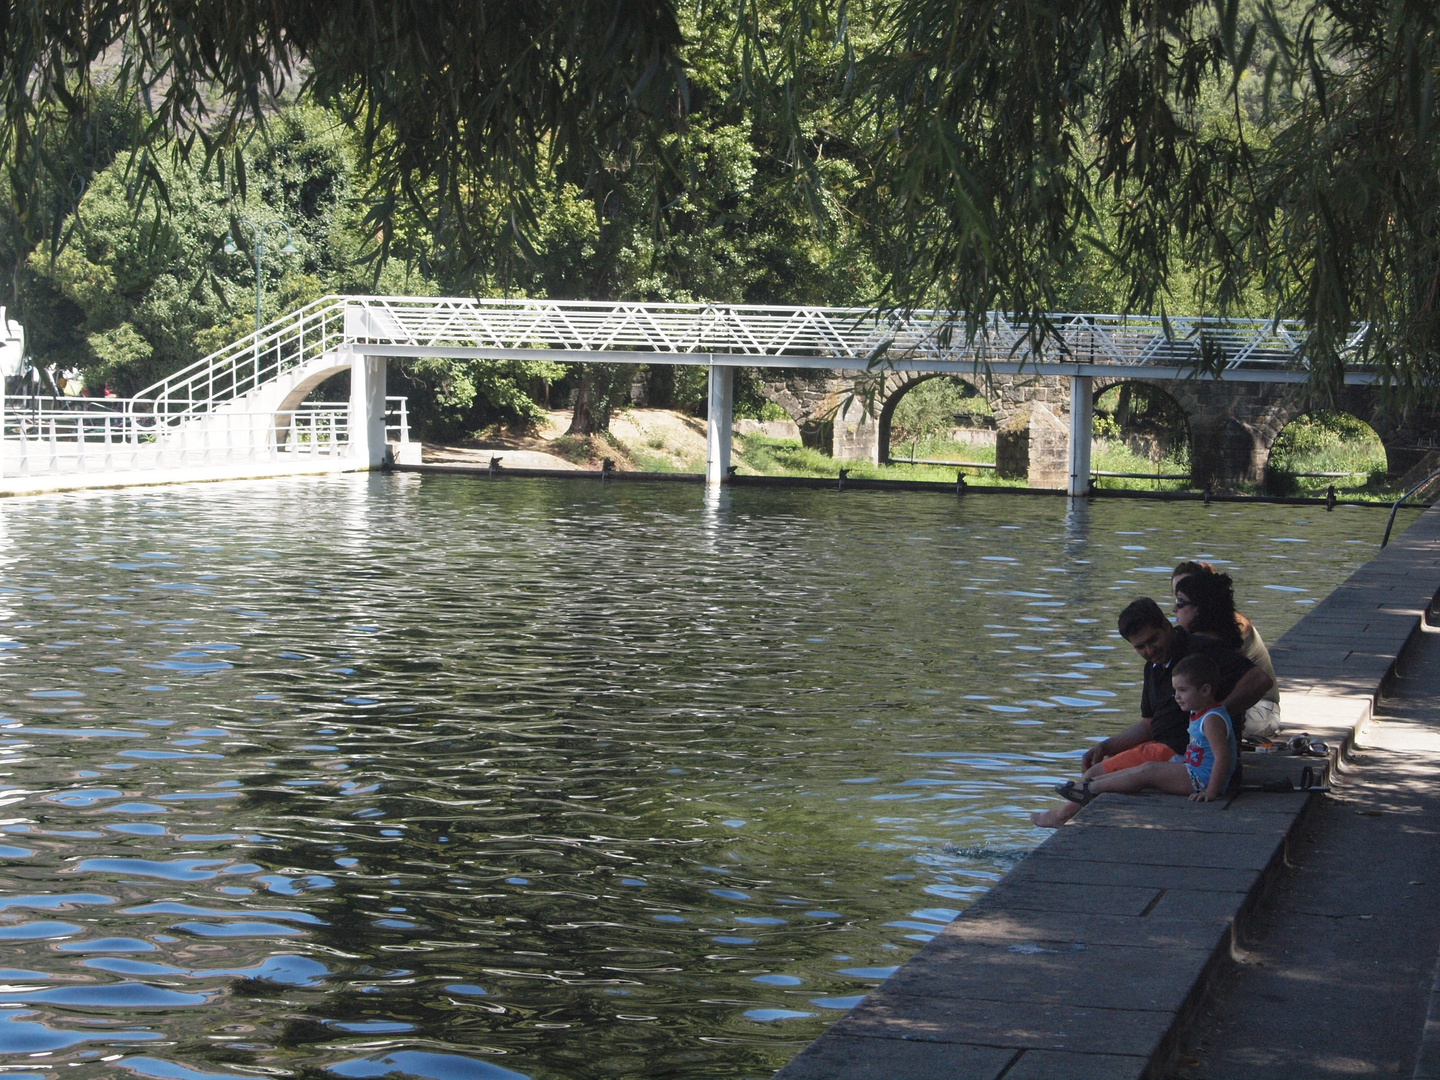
[1075,872]
[860,1058]
[1101,843]
[1051,974]
[1088,959]
[1198,904]
[1052,1065]
[1000,926]
[1167,813]
[1077,1028]
[1031,895]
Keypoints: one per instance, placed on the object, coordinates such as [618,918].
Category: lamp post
[258,232]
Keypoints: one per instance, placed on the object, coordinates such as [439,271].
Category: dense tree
[1022,134]
[1279,156]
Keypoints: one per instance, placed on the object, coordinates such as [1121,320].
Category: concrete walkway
[196,474]
[1336,978]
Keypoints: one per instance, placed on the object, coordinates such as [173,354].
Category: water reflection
[382,776]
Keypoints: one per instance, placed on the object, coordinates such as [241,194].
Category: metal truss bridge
[249,398]
[735,335]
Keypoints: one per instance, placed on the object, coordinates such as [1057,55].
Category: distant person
[1263,718]
[1204,771]
[1161,733]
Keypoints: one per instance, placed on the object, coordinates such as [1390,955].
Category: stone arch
[1407,436]
[1233,425]
[897,386]
[1102,386]
[1334,406]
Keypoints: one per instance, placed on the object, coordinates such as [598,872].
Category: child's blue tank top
[1199,755]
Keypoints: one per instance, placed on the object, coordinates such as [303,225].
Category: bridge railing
[55,436]
[848,333]
[252,361]
[770,334]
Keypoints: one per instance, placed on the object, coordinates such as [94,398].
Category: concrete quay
[51,483]
[1092,957]
[1342,955]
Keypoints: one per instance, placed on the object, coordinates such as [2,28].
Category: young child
[1205,770]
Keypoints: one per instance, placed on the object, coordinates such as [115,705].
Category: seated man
[1161,732]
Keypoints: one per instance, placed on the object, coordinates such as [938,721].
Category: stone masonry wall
[1232,424]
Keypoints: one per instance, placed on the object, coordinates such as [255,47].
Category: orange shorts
[1138,755]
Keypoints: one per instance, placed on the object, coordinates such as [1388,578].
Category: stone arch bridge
[1232,424]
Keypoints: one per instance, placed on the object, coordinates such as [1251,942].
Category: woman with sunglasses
[1205,605]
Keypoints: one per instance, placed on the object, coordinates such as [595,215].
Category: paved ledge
[261,470]
[1089,958]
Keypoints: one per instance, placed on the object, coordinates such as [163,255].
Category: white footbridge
[250,402]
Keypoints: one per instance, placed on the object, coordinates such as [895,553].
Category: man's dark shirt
[1169,723]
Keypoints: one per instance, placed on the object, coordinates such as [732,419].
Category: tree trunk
[592,403]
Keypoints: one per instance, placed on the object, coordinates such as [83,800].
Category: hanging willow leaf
[462,105]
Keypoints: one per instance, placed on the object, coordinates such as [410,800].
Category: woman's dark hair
[1214,598]
[1189,567]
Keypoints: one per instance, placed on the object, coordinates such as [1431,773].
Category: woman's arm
[1219,738]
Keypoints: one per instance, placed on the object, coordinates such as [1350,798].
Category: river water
[449,778]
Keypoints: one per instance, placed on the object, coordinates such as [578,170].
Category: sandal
[1082,795]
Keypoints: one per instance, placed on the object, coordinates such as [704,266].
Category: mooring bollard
[1330,497]
[494,465]
[959,482]
[840,486]
[606,468]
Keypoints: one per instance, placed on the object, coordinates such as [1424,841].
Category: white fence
[83,436]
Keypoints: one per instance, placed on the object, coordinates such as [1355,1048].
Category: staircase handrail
[221,374]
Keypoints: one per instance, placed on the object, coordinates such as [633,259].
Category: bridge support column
[1082,422]
[367,410]
[720,419]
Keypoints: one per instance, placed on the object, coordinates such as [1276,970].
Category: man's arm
[1134,735]
[1253,685]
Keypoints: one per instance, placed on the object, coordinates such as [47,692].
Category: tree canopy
[1266,156]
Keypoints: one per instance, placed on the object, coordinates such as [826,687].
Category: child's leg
[1171,776]
[1054,818]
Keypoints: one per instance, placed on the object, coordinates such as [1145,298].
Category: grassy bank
[1319,443]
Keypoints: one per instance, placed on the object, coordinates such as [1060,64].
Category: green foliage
[932,408]
[127,305]
[452,399]
[1327,441]
[1149,422]
[759,454]
[690,392]
[1104,427]
[1261,157]
[129,300]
